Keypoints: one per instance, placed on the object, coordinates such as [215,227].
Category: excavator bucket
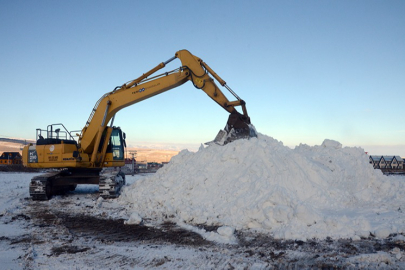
[237,127]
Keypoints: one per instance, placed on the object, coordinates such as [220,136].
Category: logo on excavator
[52,148]
[139,91]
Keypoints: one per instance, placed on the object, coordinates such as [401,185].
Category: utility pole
[133,161]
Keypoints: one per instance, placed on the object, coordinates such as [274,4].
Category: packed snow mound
[302,193]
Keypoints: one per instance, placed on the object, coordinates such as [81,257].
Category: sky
[308,70]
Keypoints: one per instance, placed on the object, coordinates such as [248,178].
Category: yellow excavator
[79,158]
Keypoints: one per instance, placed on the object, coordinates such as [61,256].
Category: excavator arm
[193,69]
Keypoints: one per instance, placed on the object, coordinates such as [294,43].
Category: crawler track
[43,187]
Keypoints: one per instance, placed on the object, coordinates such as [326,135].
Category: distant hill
[152,155]
[18,141]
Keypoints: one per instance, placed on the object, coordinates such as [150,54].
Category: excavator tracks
[110,184]
[43,187]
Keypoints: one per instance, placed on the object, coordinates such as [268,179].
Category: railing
[55,131]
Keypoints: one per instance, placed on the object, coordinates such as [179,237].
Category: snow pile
[302,193]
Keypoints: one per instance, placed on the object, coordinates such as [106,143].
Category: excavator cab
[117,144]
[111,152]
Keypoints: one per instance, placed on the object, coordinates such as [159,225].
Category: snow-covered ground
[252,204]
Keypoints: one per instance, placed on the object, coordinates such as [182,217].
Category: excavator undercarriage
[43,187]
